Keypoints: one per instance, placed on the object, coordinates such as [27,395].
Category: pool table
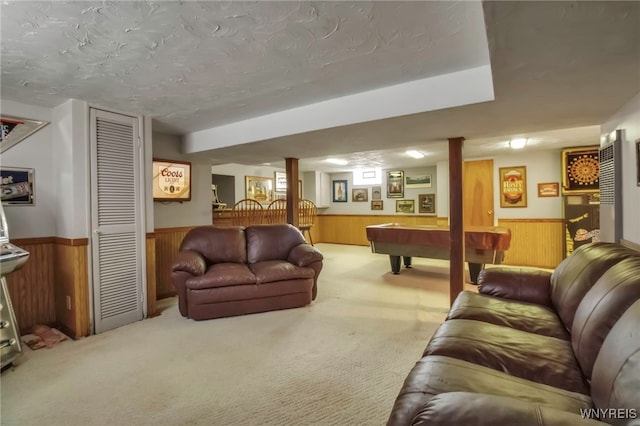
[483,245]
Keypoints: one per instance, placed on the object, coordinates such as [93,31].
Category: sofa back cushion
[575,275]
[217,244]
[615,383]
[271,242]
[611,295]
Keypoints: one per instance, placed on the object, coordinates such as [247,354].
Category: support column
[292,191]
[456,219]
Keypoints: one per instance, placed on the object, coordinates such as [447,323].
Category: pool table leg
[395,264]
[407,261]
[474,271]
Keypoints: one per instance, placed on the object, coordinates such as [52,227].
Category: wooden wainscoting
[167,241]
[535,242]
[351,229]
[72,281]
[151,274]
[31,288]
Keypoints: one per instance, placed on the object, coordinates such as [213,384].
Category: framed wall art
[513,186]
[376,193]
[427,203]
[171,180]
[405,206]
[395,184]
[15,129]
[419,181]
[259,188]
[339,191]
[17,186]
[376,205]
[549,189]
[580,170]
[360,194]
[280,179]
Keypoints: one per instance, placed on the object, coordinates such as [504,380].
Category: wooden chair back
[307,212]
[247,212]
[277,211]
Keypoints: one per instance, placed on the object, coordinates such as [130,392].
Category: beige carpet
[339,361]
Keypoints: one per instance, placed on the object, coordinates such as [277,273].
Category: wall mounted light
[518,143]
[415,154]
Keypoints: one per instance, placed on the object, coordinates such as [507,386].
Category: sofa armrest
[304,255]
[465,408]
[521,284]
[189,261]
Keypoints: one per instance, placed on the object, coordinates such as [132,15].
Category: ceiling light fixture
[518,143]
[337,161]
[415,154]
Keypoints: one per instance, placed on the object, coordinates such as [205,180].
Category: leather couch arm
[304,255]
[521,284]
[189,261]
[465,408]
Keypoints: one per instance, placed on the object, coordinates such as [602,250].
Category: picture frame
[280,179]
[259,188]
[15,129]
[377,205]
[340,191]
[18,186]
[513,186]
[376,192]
[548,189]
[171,180]
[418,181]
[427,203]
[395,184]
[405,206]
[360,194]
[580,170]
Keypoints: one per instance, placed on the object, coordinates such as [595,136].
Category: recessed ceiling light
[337,161]
[517,143]
[415,154]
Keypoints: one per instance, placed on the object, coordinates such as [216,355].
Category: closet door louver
[117,238]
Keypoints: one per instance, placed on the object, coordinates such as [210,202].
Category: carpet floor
[339,361]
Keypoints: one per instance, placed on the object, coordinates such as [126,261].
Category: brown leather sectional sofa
[227,271]
[535,348]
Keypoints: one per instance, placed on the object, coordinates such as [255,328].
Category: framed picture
[395,184]
[427,203]
[339,191]
[420,181]
[259,188]
[15,129]
[580,170]
[171,180]
[280,179]
[376,205]
[17,186]
[360,194]
[513,186]
[376,193]
[549,189]
[405,206]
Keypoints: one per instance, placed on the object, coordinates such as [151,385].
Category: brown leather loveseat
[535,348]
[227,271]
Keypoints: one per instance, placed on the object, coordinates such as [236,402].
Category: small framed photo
[376,205]
[549,189]
[18,186]
[360,194]
[513,186]
[376,193]
[259,188]
[405,206]
[281,181]
[419,181]
[427,203]
[395,184]
[340,191]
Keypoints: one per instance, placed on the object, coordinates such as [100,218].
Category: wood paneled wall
[151,275]
[31,288]
[167,243]
[71,280]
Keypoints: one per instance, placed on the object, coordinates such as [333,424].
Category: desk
[482,244]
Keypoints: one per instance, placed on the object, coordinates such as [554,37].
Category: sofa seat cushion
[279,270]
[434,375]
[541,359]
[222,275]
[523,316]
[249,292]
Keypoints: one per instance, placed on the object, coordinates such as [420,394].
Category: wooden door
[478,193]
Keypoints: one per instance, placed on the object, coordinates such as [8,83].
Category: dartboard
[584,170]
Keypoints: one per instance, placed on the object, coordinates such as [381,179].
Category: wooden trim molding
[176,229]
[74,242]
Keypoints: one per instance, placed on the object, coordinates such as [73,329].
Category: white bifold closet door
[118,244]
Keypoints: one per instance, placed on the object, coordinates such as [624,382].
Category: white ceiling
[559,69]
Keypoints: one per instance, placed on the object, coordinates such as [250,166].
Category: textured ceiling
[197,65]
